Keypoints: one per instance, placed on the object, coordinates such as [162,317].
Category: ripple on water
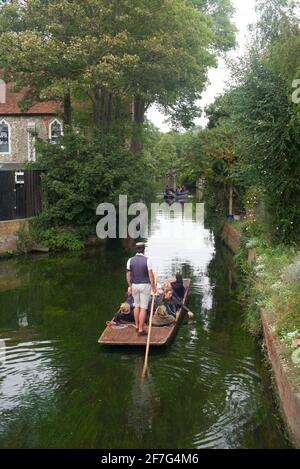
[27,369]
[231,406]
[228,388]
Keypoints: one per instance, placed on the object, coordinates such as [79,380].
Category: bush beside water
[81,173]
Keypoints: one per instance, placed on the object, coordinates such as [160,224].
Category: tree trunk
[139,110]
[102,108]
[67,115]
[106,106]
[230,201]
[96,98]
[138,118]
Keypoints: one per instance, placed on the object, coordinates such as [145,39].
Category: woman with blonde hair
[125,314]
[173,304]
[166,286]
[162,318]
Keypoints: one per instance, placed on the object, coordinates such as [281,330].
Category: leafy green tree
[39,61]
[271,144]
[217,110]
[219,13]
[167,156]
[134,51]
[81,173]
[10,18]
[253,135]
[275,17]
[284,56]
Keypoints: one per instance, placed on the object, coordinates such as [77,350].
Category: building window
[55,131]
[4,137]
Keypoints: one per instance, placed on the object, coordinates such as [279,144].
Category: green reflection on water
[60,389]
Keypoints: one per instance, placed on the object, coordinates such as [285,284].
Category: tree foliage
[134,51]
[81,173]
[253,136]
[275,19]
[166,154]
[270,145]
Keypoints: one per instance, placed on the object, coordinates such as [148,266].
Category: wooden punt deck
[125,334]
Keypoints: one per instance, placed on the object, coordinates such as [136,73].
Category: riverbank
[19,237]
[8,235]
[272,295]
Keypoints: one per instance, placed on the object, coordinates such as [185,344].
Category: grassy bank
[272,283]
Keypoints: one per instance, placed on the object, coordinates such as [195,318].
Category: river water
[60,389]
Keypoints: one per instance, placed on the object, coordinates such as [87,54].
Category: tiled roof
[11,106]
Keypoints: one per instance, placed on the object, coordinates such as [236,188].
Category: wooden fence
[20,194]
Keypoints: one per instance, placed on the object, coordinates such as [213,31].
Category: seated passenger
[162,318]
[125,314]
[173,304]
[161,289]
[166,286]
[178,287]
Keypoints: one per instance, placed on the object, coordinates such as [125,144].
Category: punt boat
[125,334]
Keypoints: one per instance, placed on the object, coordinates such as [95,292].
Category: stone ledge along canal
[60,389]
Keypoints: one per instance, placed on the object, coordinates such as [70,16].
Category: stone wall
[8,238]
[287,382]
[231,237]
[19,135]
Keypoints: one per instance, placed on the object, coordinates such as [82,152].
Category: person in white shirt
[140,279]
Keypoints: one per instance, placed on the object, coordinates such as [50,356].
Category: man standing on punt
[140,279]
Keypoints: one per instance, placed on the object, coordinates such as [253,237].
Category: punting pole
[149,331]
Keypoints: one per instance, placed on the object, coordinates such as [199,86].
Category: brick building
[19,129]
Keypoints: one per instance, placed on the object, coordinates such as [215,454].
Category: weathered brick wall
[8,238]
[231,237]
[287,383]
[19,135]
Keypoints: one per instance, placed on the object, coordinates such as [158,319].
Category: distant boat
[175,195]
[169,195]
[182,194]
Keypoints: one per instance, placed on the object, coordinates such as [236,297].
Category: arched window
[4,137]
[55,131]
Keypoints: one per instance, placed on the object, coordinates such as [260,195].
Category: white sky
[245,15]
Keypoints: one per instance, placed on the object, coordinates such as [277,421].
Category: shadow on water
[60,389]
